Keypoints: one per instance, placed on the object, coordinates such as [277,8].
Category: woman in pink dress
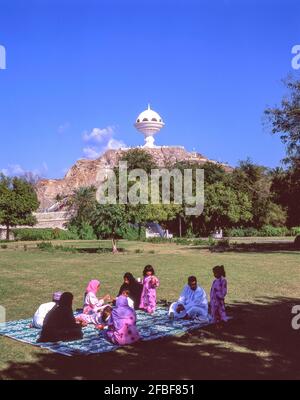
[217,295]
[91,302]
[150,283]
[122,323]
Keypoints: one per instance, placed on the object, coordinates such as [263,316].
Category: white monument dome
[149,123]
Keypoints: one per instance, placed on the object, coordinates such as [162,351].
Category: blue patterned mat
[150,327]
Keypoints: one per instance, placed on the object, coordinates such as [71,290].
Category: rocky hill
[84,172]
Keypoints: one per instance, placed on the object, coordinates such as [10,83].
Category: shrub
[268,230]
[28,234]
[139,251]
[86,232]
[295,231]
[235,232]
[183,241]
[45,246]
[3,246]
[132,233]
[251,232]
[158,240]
[109,250]
[65,248]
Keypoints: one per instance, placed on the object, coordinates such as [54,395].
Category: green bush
[182,241]
[268,230]
[158,240]
[295,231]
[132,233]
[45,246]
[194,242]
[28,234]
[86,232]
[109,250]
[65,248]
[139,251]
[235,232]
[3,246]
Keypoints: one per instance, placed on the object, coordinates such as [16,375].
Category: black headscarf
[134,287]
[60,323]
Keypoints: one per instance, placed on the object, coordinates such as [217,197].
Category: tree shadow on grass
[258,343]
[268,247]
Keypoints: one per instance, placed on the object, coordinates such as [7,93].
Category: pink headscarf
[92,286]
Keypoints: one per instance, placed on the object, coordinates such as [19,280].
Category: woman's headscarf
[135,289]
[130,278]
[92,286]
[122,313]
[66,300]
[59,320]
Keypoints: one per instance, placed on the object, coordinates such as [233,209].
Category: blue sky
[208,67]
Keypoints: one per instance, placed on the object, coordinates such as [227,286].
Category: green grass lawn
[258,343]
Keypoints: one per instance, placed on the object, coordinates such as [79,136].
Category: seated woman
[122,323]
[135,289]
[91,302]
[60,324]
[42,311]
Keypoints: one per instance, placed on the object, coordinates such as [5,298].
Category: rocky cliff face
[84,172]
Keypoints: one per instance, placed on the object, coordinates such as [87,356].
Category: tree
[225,207]
[256,181]
[285,120]
[213,173]
[82,204]
[138,158]
[110,221]
[18,200]
[142,213]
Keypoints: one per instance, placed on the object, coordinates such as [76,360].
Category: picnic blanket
[150,327]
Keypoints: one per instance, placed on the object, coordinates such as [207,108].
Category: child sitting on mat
[99,318]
